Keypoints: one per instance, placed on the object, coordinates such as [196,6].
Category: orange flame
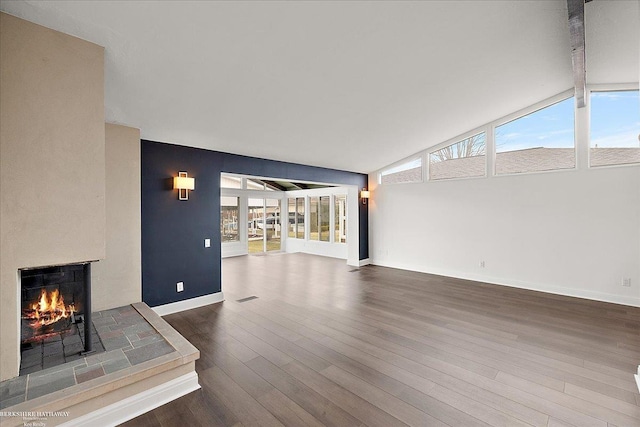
[49,309]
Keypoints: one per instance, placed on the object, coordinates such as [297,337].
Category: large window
[255,218]
[615,128]
[255,184]
[537,140]
[340,218]
[314,219]
[299,217]
[540,141]
[296,217]
[462,159]
[291,204]
[238,182]
[319,218]
[323,223]
[229,214]
[410,171]
[230,181]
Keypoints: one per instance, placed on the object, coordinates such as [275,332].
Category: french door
[263,225]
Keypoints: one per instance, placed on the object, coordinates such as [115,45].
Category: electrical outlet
[626,281]
[180,286]
[207,243]
[481,264]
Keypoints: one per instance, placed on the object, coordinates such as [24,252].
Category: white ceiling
[345,85]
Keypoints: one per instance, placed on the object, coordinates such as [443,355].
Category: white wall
[573,232]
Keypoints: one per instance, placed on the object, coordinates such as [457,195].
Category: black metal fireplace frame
[86,300]
[88,342]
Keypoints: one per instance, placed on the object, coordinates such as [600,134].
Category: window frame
[334,220]
[459,138]
[613,87]
[232,176]
[563,96]
[321,218]
[314,201]
[409,159]
[238,220]
[581,138]
[301,202]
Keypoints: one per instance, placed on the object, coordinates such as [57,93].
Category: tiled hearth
[137,344]
[56,350]
[127,337]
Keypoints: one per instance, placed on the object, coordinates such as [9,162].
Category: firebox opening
[55,309]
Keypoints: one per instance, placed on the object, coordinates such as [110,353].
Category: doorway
[266,215]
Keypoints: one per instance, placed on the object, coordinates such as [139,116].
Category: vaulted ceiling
[346,85]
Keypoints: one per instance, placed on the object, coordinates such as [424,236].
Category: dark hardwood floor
[327,344]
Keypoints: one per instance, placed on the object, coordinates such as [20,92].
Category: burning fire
[48,310]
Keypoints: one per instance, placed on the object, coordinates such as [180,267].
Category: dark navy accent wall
[173,231]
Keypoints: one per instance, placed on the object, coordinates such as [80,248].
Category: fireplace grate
[56,350]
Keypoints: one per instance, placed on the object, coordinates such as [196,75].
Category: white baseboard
[637,380]
[365,261]
[175,307]
[540,287]
[136,405]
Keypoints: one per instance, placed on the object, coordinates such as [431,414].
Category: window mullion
[581,134]
[490,150]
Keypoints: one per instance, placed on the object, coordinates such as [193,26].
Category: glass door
[263,225]
[229,214]
[273,225]
[255,225]
[340,215]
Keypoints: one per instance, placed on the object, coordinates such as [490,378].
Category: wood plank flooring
[327,344]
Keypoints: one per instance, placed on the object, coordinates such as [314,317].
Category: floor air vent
[247,299]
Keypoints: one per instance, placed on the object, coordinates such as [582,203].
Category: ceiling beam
[275,185]
[576,37]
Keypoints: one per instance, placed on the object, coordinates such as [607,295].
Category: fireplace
[55,315]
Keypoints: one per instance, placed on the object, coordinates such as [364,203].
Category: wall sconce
[364,195]
[183,184]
